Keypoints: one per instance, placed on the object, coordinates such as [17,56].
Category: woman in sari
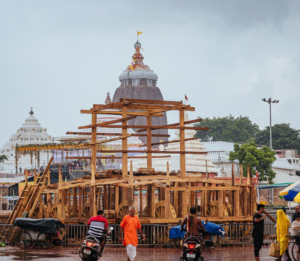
[282,228]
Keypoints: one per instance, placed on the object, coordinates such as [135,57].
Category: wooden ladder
[26,202]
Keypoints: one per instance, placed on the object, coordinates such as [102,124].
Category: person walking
[258,230]
[296,214]
[282,230]
[129,225]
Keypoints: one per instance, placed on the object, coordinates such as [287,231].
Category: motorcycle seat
[93,238]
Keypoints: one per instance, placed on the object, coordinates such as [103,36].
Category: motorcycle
[191,250]
[91,250]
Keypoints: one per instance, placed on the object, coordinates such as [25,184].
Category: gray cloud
[63,56]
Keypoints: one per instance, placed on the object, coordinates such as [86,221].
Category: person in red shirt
[129,225]
[97,226]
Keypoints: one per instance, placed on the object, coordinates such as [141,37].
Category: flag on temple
[186,97]
[139,32]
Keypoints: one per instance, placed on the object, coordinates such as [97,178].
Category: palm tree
[3,158]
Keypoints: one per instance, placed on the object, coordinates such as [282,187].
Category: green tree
[258,159]
[2,158]
[231,129]
[283,137]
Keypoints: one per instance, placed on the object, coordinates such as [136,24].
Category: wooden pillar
[237,203]
[241,174]
[168,174]
[80,200]
[232,184]
[149,205]
[26,177]
[167,203]
[117,197]
[60,205]
[74,201]
[131,175]
[220,203]
[34,177]
[153,201]
[184,203]
[141,200]
[92,201]
[105,198]
[182,143]
[124,145]
[149,142]
[248,175]
[49,205]
[40,215]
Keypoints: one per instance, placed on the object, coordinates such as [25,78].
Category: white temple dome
[138,74]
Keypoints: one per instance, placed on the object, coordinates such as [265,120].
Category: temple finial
[108,99]
[31,112]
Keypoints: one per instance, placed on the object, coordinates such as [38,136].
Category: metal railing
[158,235]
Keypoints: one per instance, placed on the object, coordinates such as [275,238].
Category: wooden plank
[60,196]
[237,203]
[131,175]
[115,134]
[117,196]
[220,203]
[142,107]
[166,142]
[167,204]
[154,127]
[103,124]
[141,200]
[182,143]
[149,141]
[153,201]
[120,113]
[113,157]
[80,199]
[144,101]
[152,151]
[74,201]
[176,124]
[124,145]
[168,175]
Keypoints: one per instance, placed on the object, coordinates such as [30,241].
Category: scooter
[191,250]
[91,250]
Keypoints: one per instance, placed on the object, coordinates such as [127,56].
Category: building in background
[30,133]
[139,82]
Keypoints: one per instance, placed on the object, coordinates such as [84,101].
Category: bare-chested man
[193,225]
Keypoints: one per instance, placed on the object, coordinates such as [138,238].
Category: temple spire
[31,112]
[108,100]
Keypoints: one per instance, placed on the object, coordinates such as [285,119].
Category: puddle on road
[26,255]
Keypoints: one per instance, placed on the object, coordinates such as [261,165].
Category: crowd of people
[282,230]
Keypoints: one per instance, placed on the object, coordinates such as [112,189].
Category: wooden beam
[157,127]
[182,143]
[166,142]
[151,101]
[152,151]
[219,188]
[149,141]
[103,124]
[113,157]
[117,196]
[168,174]
[120,113]
[176,124]
[142,107]
[115,134]
[109,140]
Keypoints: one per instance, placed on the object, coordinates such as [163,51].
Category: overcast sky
[63,56]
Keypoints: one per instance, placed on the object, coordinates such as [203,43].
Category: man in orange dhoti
[129,225]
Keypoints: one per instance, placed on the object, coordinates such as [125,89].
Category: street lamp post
[270,102]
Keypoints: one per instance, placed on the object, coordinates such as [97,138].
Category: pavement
[143,253]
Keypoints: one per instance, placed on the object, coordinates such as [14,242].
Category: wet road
[119,254]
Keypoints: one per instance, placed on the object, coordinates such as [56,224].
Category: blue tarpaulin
[175,232]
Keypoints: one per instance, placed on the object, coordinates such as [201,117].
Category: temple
[30,133]
[139,82]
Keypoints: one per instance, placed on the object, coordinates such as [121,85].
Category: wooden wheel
[54,211]
[86,210]
[160,210]
[35,214]
[124,210]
